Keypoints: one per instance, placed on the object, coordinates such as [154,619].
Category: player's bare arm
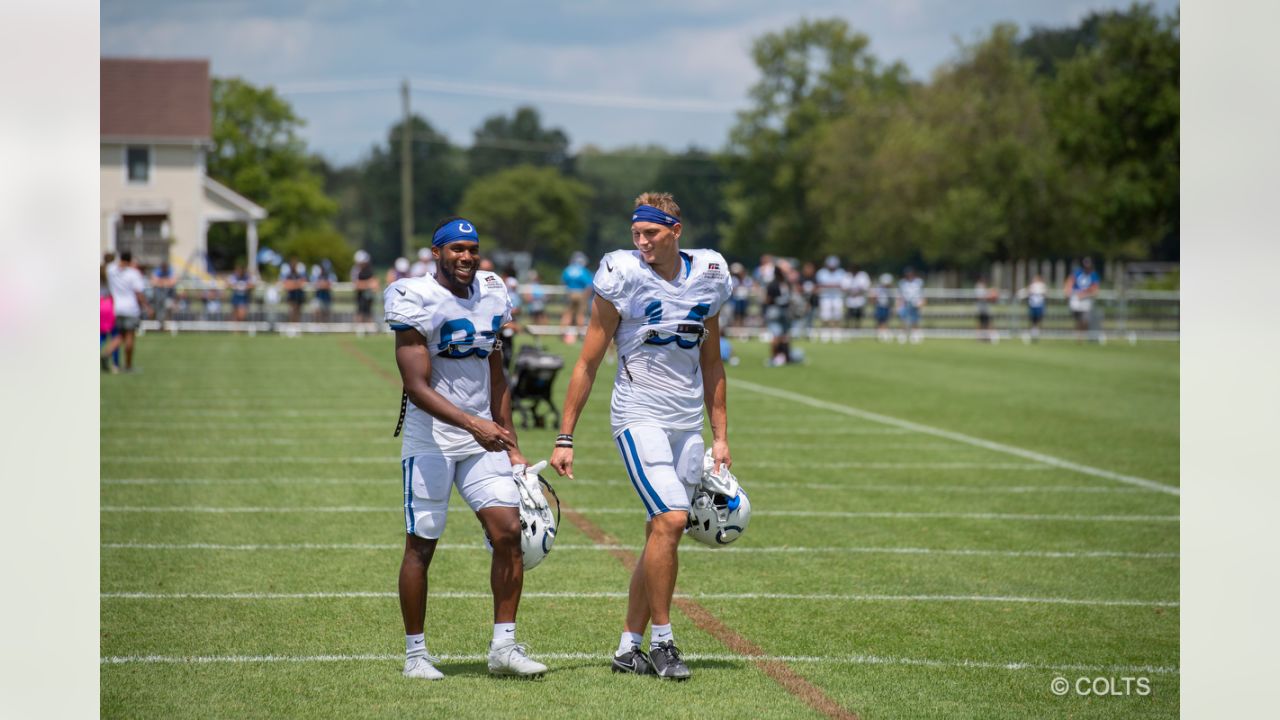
[414,360]
[600,330]
[500,405]
[714,392]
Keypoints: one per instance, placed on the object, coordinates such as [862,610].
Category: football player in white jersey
[660,305]
[457,432]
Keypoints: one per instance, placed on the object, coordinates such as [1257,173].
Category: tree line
[1052,144]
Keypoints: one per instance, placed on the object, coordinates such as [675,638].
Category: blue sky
[609,73]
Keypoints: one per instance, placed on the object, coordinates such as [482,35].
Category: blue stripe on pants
[627,466]
[631,443]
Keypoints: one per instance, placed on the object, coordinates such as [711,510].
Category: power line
[510,92]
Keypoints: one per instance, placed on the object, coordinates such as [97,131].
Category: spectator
[213,301]
[1080,290]
[108,339]
[740,300]
[857,287]
[366,286]
[910,301]
[322,279]
[241,293]
[513,292]
[832,281]
[108,267]
[984,297]
[804,304]
[128,289]
[425,265]
[293,280]
[534,297]
[398,270]
[1034,294]
[777,314]
[163,281]
[883,294]
[765,271]
[577,284]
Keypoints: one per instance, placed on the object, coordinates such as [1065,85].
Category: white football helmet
[720,510]
[537,523]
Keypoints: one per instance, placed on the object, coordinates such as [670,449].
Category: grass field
[251,526]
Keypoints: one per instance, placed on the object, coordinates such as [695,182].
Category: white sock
[415,645]
[628,641]
[660,634]
[503,632]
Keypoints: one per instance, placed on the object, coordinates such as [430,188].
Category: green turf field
[251,525]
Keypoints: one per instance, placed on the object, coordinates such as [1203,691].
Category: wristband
[564,440]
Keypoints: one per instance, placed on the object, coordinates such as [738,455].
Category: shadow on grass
[554,667]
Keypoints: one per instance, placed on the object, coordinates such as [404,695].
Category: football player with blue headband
[661,306]
[457,433]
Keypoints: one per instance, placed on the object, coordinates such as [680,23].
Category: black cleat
[667,664]
[633,661]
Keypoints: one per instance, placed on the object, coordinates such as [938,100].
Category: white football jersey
[858,284]
[832,283]
[1036,292]
[659,378]
[460,333]
[911,291]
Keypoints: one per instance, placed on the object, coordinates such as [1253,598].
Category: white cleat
[419,666]
[511,659]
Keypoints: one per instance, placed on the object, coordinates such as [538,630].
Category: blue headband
[649,213]
[454,231]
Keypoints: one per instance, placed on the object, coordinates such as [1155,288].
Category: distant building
[156,127]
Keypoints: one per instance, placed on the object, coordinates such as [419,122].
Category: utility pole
[406,175]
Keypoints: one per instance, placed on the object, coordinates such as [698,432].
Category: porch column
[253,249]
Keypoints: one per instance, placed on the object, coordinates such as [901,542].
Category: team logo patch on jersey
[714,271]
[713,266]
[493,282]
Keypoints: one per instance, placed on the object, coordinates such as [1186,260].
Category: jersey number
[653,311]
[451,348]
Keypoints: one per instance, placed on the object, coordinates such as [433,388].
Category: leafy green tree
[369,191]
[312,245]
[503,142]
[257,152]
[616,177]
[529,209]
[962,171]
[1115,110]
[812,73]
[697,179]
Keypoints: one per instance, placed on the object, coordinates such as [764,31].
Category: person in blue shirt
[163,281]
[1080,289]
[577,284]
[322,279]
[241,293]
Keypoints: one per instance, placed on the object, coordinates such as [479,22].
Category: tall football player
[457,432]
[661,306]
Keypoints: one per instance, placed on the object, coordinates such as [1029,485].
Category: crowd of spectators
[782,297]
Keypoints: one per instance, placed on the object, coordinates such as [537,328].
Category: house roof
[155,99]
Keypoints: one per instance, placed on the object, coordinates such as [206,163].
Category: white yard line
[958,437]
[858,659]
[388,481]
[394,461]
[630,511]
[859,465]
[819,597]
[684,548]
[843,487]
